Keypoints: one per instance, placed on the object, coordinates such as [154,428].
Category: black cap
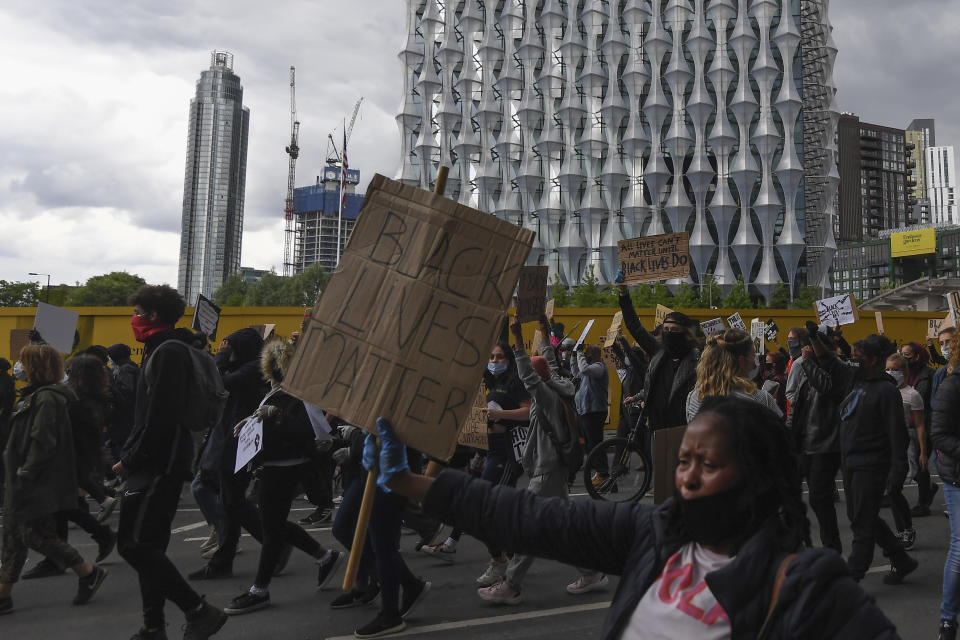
[678,317]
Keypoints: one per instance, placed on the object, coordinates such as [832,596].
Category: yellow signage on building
[913,243]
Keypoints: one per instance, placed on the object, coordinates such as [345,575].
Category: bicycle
[621,466]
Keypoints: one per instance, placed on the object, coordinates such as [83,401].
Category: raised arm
[630,320]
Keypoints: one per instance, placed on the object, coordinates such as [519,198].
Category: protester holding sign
[727,368]
[736,521]
[594,384]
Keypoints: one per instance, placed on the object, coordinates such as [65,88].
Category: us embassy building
[594,121]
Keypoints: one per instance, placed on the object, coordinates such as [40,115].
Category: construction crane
[336,158]
[293,150]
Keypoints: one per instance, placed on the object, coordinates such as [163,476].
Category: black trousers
[820,470]
[864,489]
[143,533]
[238,513]
[592,424]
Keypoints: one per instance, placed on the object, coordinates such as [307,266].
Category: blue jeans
[951,568]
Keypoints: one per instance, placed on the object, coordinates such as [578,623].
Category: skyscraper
[921,133]
[619,119]
[941,185]
[213,185]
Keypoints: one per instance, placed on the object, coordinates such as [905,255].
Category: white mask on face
[946,350]
[897,376]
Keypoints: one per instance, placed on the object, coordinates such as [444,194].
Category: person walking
[914,419]
[593,377]
[156,461]
[41,477]
[123,387]
[920,376]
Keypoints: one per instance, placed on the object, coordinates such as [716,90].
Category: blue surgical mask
[496,368]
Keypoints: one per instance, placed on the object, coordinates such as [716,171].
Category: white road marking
[477,622]
[883,568]
[189,527]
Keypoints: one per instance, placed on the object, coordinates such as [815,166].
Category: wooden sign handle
[369,491]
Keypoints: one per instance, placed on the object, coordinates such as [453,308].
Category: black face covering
[676,343]
[794,347]
[713,519]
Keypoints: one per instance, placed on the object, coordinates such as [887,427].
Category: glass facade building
[594,121]
[213,186]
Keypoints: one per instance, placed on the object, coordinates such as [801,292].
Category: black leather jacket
[814,416]
[945,430]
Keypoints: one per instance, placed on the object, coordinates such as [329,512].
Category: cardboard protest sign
[403,328]
[934,326]
[537,341]
[616,326]
[837,310]
[532,293]
[249,442]
[879,318]
[548,310]
[19,338]
[736,322]
[771,331]
[661,313]
[583,336]
[206,317]
[474,430]
[653,258]
[57,326]
[713,326]
[953,300]
[609,358]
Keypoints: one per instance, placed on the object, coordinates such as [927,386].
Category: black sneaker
[948,630]
[106,545]
[908,537]
[150,634]
[320,515]
[43,569]
[247,603]
[209,572]
[326,568]
[920,511]
[900,570]
[88,585]
[411,598]
[381,626]
[6,605]
[356,597]
[204,624]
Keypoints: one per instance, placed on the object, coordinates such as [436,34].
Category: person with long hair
[920,376]
[914,419]
[705,564]
[40,477]
[727,367]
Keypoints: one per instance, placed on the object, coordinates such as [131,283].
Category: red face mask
[144,327]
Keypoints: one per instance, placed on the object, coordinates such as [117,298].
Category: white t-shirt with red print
[679,604]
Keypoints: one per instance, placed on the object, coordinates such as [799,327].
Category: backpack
[206,395]
[568,436]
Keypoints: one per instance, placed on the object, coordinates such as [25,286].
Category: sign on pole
[206,318]
[616,327]
[837,310]
[652,258]
[403,329]
[879,318]
[736,322]
[532,293]
[713,326]
[548,310]
[56,325]
[583,336]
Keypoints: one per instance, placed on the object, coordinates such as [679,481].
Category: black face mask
[676,342]
[793,346]
[713,519]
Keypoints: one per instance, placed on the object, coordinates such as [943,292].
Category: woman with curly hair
[727,367]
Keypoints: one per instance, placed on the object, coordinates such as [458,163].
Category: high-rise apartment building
[941,185]
[590,122]
[317,223]
[875,163]
[214,180]
[921,134]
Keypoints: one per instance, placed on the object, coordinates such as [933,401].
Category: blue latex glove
[370,452]
[619,277]
[393,454]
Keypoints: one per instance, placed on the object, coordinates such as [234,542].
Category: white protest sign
[736,322]
[713,326]
[837,310]
[757,327]
[57,326]
[249,442]
[583,336]
[206,317]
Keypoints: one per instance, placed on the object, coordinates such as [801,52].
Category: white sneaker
[500,593]
[106,508]
[496,572]
[585,584]
[446,551]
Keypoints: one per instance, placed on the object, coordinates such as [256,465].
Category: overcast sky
[95,97]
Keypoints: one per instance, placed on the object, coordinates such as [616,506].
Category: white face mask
[897,376]
[946,351]
[18,372]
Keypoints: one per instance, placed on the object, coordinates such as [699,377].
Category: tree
[309,284]
[642,297]
[270,291]
[806,298]
[779,297]
[559,293]
[231,292]
[662,295]
[589,293]
[109,290]
[686,297]
[738,298]
[18,294]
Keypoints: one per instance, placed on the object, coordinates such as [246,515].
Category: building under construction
[315,218]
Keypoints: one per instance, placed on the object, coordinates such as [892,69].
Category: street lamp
[48,282]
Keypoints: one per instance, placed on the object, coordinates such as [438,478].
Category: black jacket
[873,434]
[814,416]
[158,444]
[289,435]
[818,599]
[684,378]
[945,429]
[88,417]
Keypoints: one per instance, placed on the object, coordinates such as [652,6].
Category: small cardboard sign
[548,310]
[712,326]
[537,341]
[837,310]
[771,331]
[532,293]
[934,326]
[736,322]
[879,318]
[661,313]
[518,442]
[249,442]
[953,300]
[583,336]
[616,326]
[206,317]
[653,258]
[57,326]
[19,338]
[474,430]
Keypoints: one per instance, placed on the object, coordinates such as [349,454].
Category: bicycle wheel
[615,473]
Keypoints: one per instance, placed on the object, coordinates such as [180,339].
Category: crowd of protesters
[733,542]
